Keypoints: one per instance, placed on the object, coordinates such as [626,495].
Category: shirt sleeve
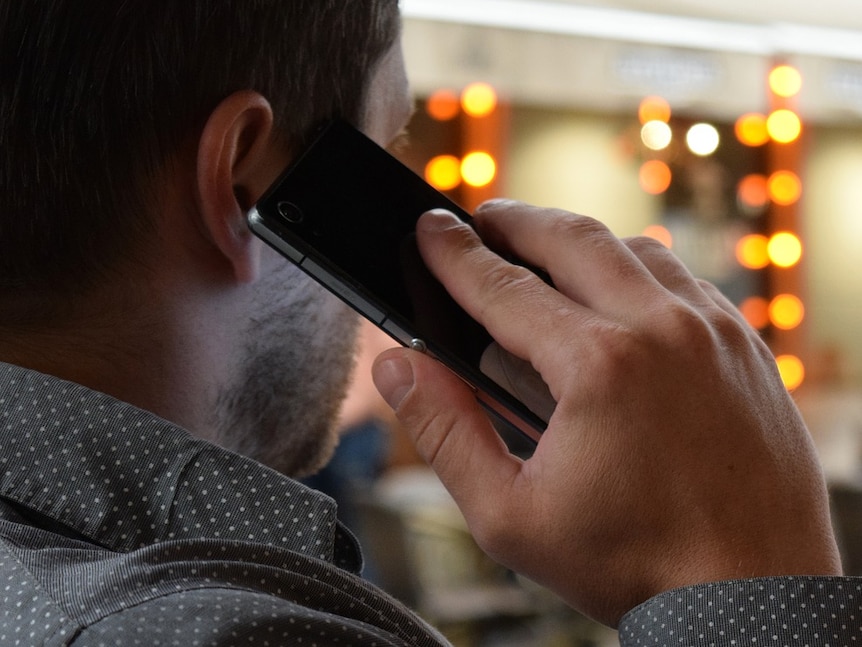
[779,612]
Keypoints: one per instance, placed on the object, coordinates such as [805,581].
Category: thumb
[451,431]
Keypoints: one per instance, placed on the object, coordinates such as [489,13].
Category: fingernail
[437,220]
[394,380]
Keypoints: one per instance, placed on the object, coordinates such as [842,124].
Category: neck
[153,354]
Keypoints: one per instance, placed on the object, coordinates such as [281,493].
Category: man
[142,327]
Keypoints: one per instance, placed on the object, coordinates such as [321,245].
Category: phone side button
[343,291]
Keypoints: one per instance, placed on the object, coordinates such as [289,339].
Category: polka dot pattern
[118,528]
[775,612]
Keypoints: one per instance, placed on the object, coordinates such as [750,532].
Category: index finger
[517,308]
[587,262]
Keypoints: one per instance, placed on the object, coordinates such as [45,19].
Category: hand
[675,455]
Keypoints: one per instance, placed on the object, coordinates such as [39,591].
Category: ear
[237,159]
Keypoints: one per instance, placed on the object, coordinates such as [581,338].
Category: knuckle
[498,278]
[572,226]
[643,246]
[429,434]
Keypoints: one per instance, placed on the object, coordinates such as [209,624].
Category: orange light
[785,249]
[785,81]
[751,130]
[661,234]
[786,311]
[784,126]
[443,105]
[479,99]
[752,191]
[756,312]
[478,169]
[654,109]
[785,187]
[752,251]
[792,371]
[655,177]
[443,172]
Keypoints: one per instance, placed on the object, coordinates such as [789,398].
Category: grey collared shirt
[118,528]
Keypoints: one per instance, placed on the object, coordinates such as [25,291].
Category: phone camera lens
[290,212]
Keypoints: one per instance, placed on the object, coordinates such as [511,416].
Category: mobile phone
[345,211]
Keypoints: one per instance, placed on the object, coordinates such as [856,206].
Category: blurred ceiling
[842,14]
[709,57]
[831,28]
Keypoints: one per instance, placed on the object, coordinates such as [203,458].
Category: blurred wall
[578,163]
[573,97]
[832,221]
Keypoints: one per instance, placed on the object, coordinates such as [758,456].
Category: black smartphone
[345,211]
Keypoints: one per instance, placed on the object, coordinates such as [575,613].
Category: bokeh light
[752,191]
[702,139]
[752,251]
[661,234]
[785,81]
[784,126]
[656,135]
[785,249]
[756,312]
[443,105]
[443,172]
[479,99]
[785,187]
[478,169]
[654,109]
[792,371]
[655,177]
[786,311]
[751,129]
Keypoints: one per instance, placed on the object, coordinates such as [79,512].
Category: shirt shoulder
[217,617]
[775,611]
[189,593]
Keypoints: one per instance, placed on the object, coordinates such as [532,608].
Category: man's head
[96,97]
[134,137]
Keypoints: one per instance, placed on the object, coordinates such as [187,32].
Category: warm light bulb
[752,251]
[661,234]
[443,105]
[792,371]
[443,172]
[751,130]
[655,177]
[479,99]
[785,187]
[784,126]
[785,81]
[752,191]
[654,109]
[786,311]
[756,312]
[478,169]
[785,249]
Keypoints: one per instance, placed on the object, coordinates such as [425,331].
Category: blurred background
[731,132]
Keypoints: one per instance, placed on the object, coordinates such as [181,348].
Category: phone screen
[346,212]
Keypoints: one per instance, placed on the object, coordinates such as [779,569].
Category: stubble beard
[282,406]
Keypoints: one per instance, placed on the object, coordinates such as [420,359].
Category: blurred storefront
[735,139]
[565,131]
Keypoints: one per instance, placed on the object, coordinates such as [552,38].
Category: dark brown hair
[97,95]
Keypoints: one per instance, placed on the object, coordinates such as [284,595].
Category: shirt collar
[125,478]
